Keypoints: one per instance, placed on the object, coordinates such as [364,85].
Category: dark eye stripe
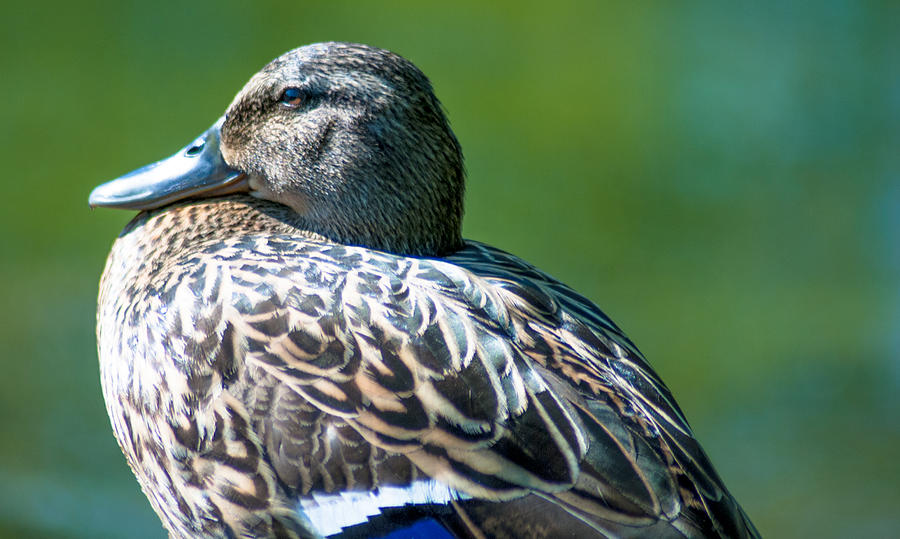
[291,97]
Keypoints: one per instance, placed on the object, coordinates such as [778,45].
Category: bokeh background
[724,182]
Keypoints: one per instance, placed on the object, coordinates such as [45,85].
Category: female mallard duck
[329,356]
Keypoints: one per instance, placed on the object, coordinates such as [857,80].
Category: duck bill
[197,170]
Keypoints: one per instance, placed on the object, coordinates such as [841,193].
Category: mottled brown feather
[335,367]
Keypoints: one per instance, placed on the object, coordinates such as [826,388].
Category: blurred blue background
[724,182]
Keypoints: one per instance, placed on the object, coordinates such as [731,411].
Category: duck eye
[291,97]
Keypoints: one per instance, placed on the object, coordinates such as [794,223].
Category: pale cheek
[297,202]
[259,188]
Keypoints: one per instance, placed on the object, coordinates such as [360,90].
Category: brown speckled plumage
[258,356]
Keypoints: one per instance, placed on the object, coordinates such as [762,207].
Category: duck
[295,340]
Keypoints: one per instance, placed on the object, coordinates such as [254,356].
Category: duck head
[350,137]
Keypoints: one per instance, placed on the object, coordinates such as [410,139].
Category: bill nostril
[194,149]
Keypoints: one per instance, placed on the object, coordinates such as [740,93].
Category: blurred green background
[724,182]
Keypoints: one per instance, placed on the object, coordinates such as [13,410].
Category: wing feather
[484,372]
[416,356]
